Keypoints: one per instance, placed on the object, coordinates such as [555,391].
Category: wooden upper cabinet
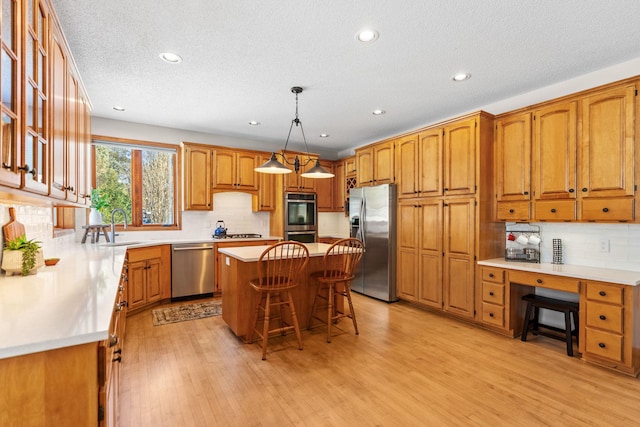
[460,158]
[294,181]
[607,144]
[375,164]
[554,151]
[408,166]
[419,164]
[197,177]
[350,167]
[234,170]
[325,189]
[57,149]
[10,95]
[265,199]
[513,157]
[339,186]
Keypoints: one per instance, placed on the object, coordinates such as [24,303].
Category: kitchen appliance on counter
[372,212]
[522,243]
[220,231]
[301,217]
[192,270]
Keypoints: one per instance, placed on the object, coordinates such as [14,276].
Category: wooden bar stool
[535,303]
[339,263]
[279,270]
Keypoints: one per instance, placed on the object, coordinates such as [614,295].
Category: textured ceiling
[242,57]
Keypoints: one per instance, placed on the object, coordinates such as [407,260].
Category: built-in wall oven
[300,217]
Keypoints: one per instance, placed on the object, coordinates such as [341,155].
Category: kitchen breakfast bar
[238,266]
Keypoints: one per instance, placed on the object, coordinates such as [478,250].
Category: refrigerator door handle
[361,230]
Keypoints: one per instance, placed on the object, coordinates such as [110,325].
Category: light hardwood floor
[408,367]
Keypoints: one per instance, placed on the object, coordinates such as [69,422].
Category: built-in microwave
[300,212]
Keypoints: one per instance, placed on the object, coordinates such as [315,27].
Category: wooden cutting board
[13,228]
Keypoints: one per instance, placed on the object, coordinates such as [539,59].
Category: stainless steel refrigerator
[372,212]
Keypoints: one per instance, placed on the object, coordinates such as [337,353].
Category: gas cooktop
[239,236]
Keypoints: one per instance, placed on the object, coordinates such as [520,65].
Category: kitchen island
[239,265]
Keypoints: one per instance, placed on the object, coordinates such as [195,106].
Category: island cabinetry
[149,276]
[376,164]
[513,167]
[230,243]
[234,170]
[197,177]
[609,335]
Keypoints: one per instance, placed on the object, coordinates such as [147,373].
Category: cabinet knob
[5,166]
[23,168]
[602,293]
[571,190]
[445,189]
[603,317]
[511,211]
[34,172]
[601,345]
[490,314]
[491,275]
[553,210]
[539,280]
[113,340]
[491,293]
[605,209]
[585,189]
[118,359]
[526,193]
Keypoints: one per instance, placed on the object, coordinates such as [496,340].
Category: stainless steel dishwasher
[192,270]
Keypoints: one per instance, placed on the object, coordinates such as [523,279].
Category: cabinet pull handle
[491,293]
[601,345]
[511,210]
[585,189]
[539,280]
[113,340]
[603,317]
[5,166]
[553,210]
[571,190]
[605,209]
[491,275]
[118,359]
[602,293]
[23,168]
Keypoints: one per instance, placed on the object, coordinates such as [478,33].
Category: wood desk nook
[238,266]
[609,330]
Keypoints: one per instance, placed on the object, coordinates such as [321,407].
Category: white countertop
[252,253]
[623,277]
[64,305]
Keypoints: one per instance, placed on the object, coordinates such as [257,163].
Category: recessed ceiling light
[118,108]
[460,77]
[254,123]
[171,58]
[324,135]
[367,36]
[378,112]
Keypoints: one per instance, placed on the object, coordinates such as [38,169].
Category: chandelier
[273,166]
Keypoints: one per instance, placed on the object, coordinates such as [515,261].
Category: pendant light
[273,166]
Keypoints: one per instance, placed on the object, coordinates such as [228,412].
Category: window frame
[136,185]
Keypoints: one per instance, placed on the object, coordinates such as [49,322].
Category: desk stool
[535,303]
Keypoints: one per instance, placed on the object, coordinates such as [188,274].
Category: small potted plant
[98,203]
[22,256]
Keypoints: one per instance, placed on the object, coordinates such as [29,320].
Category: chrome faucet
[113,223]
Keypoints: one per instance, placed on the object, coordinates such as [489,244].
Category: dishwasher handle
[202,248]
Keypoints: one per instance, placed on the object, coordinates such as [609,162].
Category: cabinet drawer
[559,283]
[490,274]
[493,314]
[607,210]
[555,210]
[605,293]
[493,293]
[513,211]
[603,344]
[604,316]
[142,254]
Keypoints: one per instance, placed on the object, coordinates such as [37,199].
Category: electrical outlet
[605,245]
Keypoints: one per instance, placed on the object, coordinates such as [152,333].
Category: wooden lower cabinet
[436,245]
[149,276]
[608,332]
